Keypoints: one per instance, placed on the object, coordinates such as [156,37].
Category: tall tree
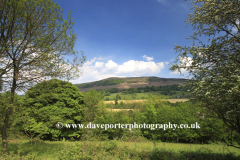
[116,99]
[91,100]
[215,66]
[33,40]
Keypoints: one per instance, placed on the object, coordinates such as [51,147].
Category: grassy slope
[142,82]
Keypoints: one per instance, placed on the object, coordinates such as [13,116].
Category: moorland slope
[129,82]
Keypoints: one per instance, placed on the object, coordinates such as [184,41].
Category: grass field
[117,150]
[145,95]
[117,110]
[141,100]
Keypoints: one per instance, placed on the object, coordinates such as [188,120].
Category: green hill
[129,82]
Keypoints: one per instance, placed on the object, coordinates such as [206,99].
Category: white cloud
[140,67]
[187,62]
[97,71]
[90,62]
[147,58]
[110,66]
[98,64]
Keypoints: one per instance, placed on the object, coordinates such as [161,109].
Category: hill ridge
[129,82]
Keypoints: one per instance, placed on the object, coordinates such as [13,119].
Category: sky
[128,38]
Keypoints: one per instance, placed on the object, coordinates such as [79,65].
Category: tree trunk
[4,130]
[9,110]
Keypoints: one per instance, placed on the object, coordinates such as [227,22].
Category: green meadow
[117,150]
[146,94]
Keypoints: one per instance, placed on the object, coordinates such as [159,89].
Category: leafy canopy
[91,100]
[215,66]
[51,102]
[34,39]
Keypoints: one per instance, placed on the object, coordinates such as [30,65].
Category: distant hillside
[129,82]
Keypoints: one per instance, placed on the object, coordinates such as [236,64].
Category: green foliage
[107,94]
[215,67]
[113,90]
[157,79]
[102,93]
[155,112]
[116,99]
[184,113]
[50,38]
[109,150]
[144,117]
[105,117]
[91,100]
[109,146]
[41,38]
[5,103]
[50,102]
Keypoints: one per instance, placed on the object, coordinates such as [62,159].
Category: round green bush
[50,102]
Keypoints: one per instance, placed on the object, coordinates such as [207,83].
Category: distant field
[141,100]
[117,110]
[145,95]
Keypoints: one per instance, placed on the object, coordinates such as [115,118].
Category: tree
[91,100]
[116,99]
[107,94]
[48,103]
[102,93]
[34,39]
[215,66]
[5,99]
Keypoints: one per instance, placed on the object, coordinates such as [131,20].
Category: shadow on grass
[201,154]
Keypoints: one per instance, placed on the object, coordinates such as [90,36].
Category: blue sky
[128,38]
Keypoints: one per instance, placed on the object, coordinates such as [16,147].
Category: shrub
[48,103]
